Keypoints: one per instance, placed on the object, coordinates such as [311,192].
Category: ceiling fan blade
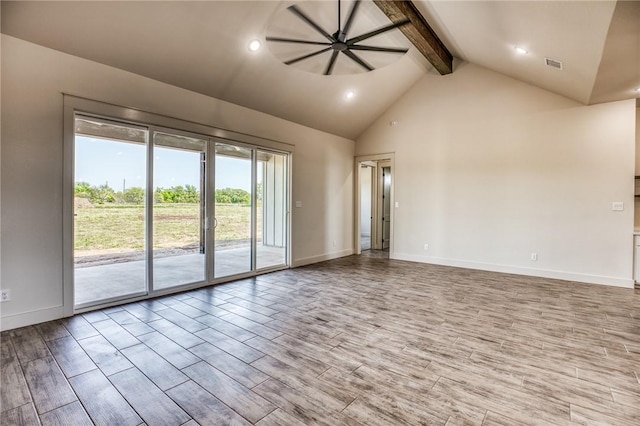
[293,40]
[332,62]
[300,14]
[376,32]
[378,49]
[352,14]
[357,60]
[310,55]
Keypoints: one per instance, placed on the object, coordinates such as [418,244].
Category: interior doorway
[374,201]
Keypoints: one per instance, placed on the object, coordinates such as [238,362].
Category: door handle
[215,223]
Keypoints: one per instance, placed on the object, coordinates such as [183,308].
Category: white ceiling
[592,38]
[202,46]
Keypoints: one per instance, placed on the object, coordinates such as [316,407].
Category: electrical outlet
[5,295]
[534,256]
[426,247]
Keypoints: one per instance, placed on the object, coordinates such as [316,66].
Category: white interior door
[367,203]
[386,207]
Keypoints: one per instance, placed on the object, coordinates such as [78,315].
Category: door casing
[379,161]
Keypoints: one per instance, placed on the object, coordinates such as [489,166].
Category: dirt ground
[86,259]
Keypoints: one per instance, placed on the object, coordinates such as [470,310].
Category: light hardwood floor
[355,341]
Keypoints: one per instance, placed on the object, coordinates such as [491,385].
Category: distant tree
[95,194]
[158,196]
[191,194]
[232,196]
[83,189]
[223,197]
[102,194]
[134,195]
[177,194]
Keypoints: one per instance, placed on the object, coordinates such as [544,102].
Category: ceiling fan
[339,41]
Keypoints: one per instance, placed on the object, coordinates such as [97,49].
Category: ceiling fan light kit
[340,41]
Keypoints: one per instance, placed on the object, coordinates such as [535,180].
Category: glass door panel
[178,210]
[233,210]
[271,210]
[109,210]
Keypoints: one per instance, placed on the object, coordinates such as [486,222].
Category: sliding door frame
[73,106]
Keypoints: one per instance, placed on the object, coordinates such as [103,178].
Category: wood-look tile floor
[355,341]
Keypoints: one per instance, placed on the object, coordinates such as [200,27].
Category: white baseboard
[10,322]
[321,258]
[518,270]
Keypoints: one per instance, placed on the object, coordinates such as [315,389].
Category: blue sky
[99,161]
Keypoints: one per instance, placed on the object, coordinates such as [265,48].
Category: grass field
[113,228]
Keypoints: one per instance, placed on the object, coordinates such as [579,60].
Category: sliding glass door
[271,203]
[158,209]
[234,210]
[251,216]
[179,207]
[109,210]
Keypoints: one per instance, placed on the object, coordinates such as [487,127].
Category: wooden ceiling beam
[419,33]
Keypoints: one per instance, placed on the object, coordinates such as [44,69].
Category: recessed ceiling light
[349,95]
[637,89]
[254,45]
[521,50]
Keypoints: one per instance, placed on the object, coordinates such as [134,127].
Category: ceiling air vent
[553,63]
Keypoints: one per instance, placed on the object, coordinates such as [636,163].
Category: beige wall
[33,80]
[638,141]
[637,203]
[489,170]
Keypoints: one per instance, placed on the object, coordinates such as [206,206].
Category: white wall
[33,80]
[490,170]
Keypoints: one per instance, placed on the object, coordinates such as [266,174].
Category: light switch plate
[298,204]
[617,206]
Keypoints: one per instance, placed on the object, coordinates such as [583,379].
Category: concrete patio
[95,283]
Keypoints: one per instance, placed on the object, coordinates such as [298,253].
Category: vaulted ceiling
[202,46]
